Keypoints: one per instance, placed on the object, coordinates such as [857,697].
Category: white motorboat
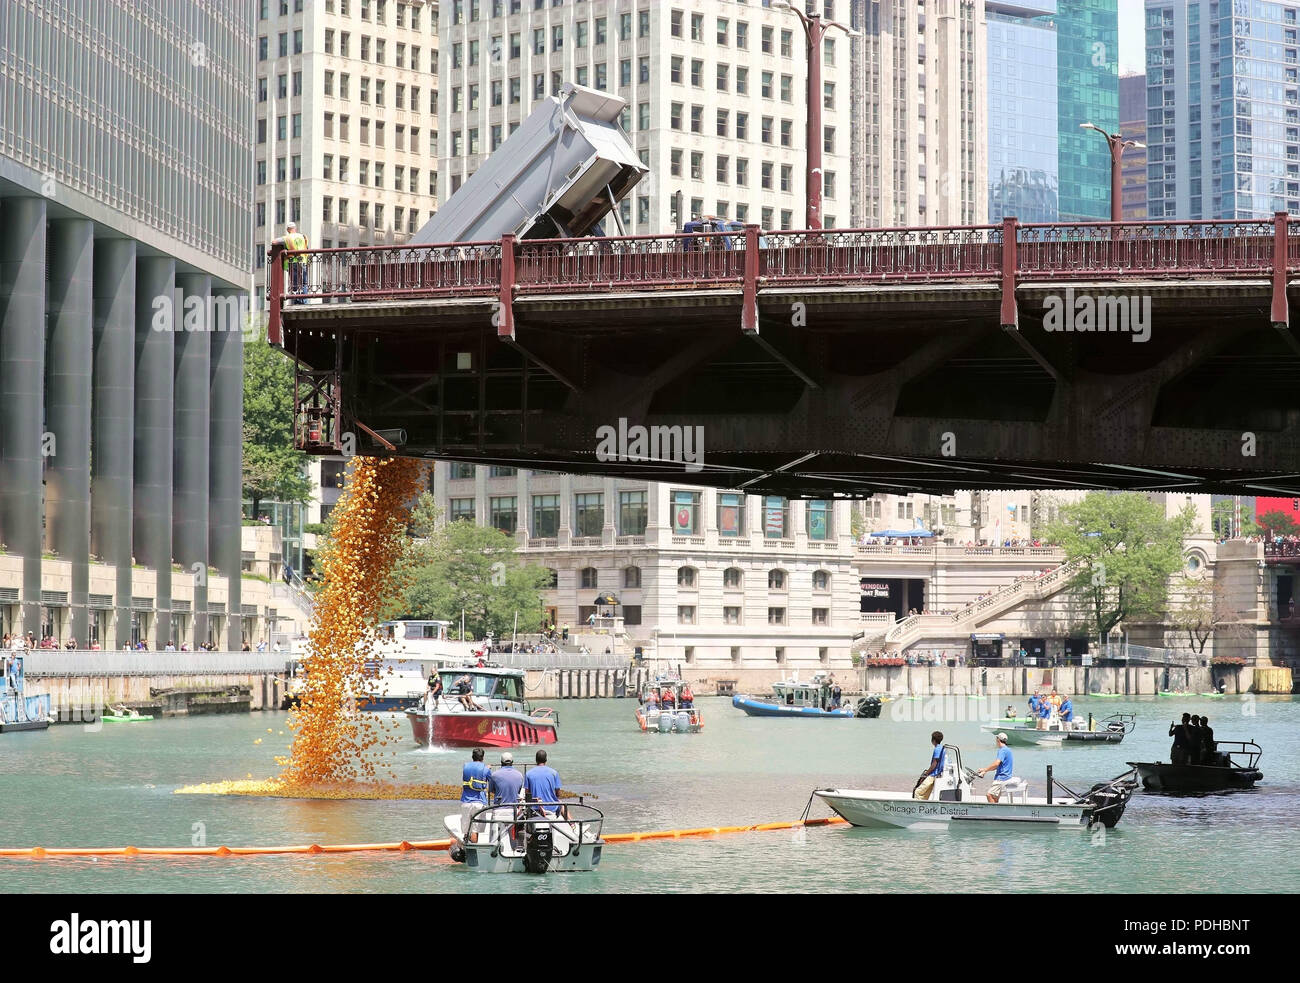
[953,802]
[1057,731]
[514,839]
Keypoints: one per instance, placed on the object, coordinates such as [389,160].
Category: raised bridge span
[818,362]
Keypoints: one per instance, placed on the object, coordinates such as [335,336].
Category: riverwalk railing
[558,660]
[84,662]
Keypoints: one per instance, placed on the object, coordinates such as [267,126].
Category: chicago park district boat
[954,803]
[516,838]
[667,716]
[1111,730]
[810,699]
[505,717]
[1235,766]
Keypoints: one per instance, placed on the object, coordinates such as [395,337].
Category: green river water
[78,786]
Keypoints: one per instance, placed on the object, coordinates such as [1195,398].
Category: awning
[904,533]
[606,600]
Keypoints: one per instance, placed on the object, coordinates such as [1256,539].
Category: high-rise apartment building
[1022,120]
[1223,109]
[347,120]
[126,173]
[716,97]
[1133,126]
[919,122]
[1087,65]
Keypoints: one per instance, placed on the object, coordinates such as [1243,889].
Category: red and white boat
[504,717]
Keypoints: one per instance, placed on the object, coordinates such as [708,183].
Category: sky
[1131,37]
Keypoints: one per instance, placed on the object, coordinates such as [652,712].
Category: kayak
[1106,696]
[126,720]
[1213,696]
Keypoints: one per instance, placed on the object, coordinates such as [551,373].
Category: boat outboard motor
[1109,801]
[869,706]
[537,855]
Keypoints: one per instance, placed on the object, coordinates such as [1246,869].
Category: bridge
[816,363]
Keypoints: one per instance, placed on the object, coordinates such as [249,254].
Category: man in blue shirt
[506,781]
[925,784]
[1067,710]
[474,780]
[542,784]
[1003,772]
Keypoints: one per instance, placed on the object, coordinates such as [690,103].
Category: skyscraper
[1087,36]
[716,99]
[125,231]
[1223,116]
[1133,126]
[1023,130]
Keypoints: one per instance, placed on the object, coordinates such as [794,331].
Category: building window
[821,580]
[731,514]
[686,614]
[461,508]
[554,581]
[632,513]
[459,469]
[588,514]
[631,614]
[733,578]
[631,576]
[587,578]
[776,580]
[731,615]
[817,516]
[821,616]
[686,512]
[546,516]
[504,513]
[686,577]
[776,616]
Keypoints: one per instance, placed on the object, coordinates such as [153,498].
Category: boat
[1235,768]
[505,720]
[660,717]
[18,711]
[514,839]
[1104,696]
[125,715]
[792,698]
[1111,730]
[954,803]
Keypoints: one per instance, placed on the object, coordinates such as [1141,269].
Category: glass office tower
[1023,140]
[1087,36]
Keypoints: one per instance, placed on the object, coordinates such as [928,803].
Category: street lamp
[1117,145]
[815,27]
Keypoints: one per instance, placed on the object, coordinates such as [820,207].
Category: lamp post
[1117,145]
[815,28]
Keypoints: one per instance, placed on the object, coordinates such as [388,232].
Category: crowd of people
[482,786]
[665,698]
[1043,709]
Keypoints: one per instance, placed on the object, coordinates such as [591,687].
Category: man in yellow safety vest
[293,240]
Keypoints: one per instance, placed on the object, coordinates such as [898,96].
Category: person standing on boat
[925,784]
[542,783]
[435,688]
[474,780]
[506,781]
[1194,740]
[688,698]
[1178,751]
[1066,710]
[1002,772]
[1209,750]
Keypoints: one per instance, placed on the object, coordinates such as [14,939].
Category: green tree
[459,566]
[1126,550]
[1204,611]
[273,469]
[857,524]
[1221,520]
[1277,524]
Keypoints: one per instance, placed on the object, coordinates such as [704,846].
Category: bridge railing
[832,256]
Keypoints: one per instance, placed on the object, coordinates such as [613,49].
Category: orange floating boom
[38,852]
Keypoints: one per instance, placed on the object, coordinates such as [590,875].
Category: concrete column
[523,503]
[70,325]
[22,392]
[226,446]
[191,381]
[481,515]
[152,502]
[113,423]
[565,535]
[609,529]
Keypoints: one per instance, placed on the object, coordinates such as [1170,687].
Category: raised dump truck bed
[566,167]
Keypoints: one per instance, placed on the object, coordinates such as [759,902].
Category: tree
[857,524]
[1203,611]
[1223,524]
[272,467]
[1277,524]
[459,566]
[1126,550]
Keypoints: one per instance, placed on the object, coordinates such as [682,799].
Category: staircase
[911,630]
[300,601]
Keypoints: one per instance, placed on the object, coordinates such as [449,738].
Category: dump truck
[559,175]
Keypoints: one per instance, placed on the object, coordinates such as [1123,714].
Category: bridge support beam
[1280,314]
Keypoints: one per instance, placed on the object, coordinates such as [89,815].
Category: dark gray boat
[1236,767]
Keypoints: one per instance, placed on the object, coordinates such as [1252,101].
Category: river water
[76,786]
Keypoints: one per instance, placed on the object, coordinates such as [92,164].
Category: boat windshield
[490,686]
